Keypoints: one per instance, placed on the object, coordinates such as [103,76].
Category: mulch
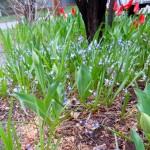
[78,133]
[84,130]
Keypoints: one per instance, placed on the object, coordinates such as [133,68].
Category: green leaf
[57,143]
[4,137]
[7,136]
[39,70]
[145,123]
[137,140]
[126,100]
[125,28]
[35,105]
[84,82]
[9,132]
[54,69]
[16,137]
[143,101]
[147,90]
[52,89]
[35,58]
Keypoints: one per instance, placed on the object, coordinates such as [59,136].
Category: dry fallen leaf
[75,115]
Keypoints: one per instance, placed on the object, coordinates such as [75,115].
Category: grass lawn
[8,18]
[41,13]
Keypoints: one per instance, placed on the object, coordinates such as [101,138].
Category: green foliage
[113,63]
[143,102]
[39,72]
[50,61]
[137,140]
[126,100]
[143,99]
[51,106]
[145,123]
[35,105]
[84,82]
[9,140]
[3,84]
[144,115]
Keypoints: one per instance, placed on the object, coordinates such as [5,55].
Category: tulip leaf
[145,123]
[84,82]
[34,104]
[147,90]
[143,101]
[52,89]
[137,140]
[125,29]
[39,71]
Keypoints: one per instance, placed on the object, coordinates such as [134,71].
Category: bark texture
[56,5]
[29,11]
[25,8]
[111,12]
[93,14]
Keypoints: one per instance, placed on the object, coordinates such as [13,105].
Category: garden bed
[84,130]
[81,92]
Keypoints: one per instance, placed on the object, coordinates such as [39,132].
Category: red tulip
[73,12]
[136,7]
[115,6]
[142,19]
[120,10]
[128,5]
[135,24]
[61,10]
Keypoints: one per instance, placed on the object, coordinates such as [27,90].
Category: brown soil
[84,130]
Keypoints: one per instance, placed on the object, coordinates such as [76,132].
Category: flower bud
[145,123]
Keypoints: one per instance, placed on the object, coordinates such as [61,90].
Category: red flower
[120,10]
[135,24]
[142,19]
[136,7]
[73,11]
[128,5]
[115,6]
[61,10]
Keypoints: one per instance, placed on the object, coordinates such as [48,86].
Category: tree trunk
[93,14]
[55,7]
[111,12]
[29,11]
